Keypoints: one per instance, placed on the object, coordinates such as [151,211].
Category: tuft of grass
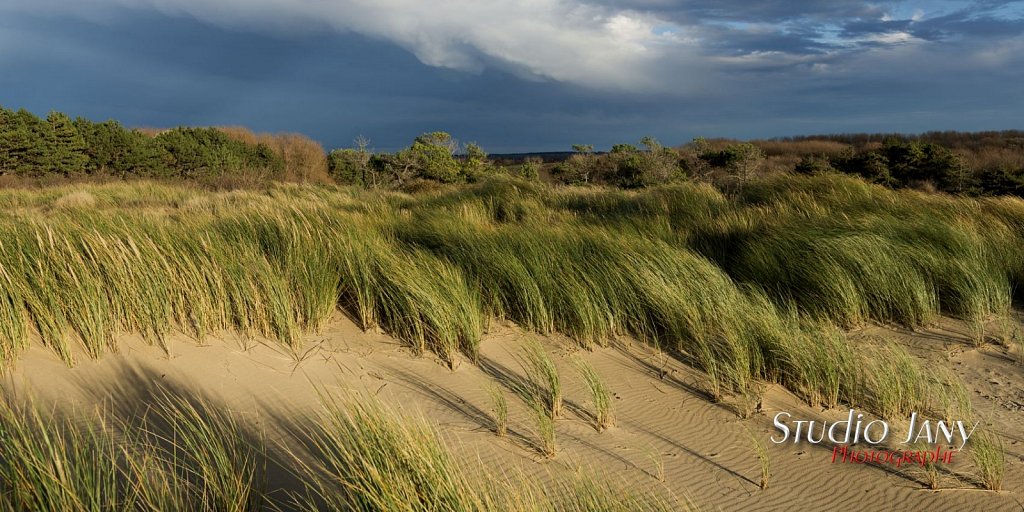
[545,426]
[976,328]
[366,458]
[749,400]
[500,409]
[811,358]
[545,387]
[414,295]
[600,395]
[989,459]
[929,469]
[658,461]
[893,382]
[764,460]
[950,399]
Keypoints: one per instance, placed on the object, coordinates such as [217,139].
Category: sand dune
[669,435]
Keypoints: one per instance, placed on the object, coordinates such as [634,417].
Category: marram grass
[989,457]
[184,456]
[371,458]
[185,453]
[750,289]
[601,397]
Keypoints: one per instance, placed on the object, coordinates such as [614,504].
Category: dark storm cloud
[568,72]
[977,21]
[798,40]
[860,27]
[973,23]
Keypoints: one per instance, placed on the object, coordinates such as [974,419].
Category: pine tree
[23,139]
[66,148]
[15,142]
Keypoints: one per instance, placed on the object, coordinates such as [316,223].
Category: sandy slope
[664,420]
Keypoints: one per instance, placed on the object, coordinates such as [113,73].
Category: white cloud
[890,38]
[563,40]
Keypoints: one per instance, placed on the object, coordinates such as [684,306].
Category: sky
[520,75]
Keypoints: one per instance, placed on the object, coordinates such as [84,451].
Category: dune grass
[46,468]
[658,461]
[600,395]
[185,453]
[989,458]
[764,460]
[381,463]
[545,424]
[182,456]
[368,457]
[542,377]
[749,289]
[929,468]
[500,410]
[542,392]
[214,459]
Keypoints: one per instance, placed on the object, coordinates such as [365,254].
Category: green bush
[1002,180]
[430,158]
[530,168]
[638,168]
[198,152]
[349,166]
[813,165]
[902,163]
[432,155]
[66,146]
[475,165]
[581,168]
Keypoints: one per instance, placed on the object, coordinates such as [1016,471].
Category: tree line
[57,145]
[915,163]
[982,163]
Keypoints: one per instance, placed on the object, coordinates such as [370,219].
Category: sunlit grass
[600,396]
[184,453]
[989,458]
[368,457]
[764,460]
[543,379]
[750,289]
[500,410]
